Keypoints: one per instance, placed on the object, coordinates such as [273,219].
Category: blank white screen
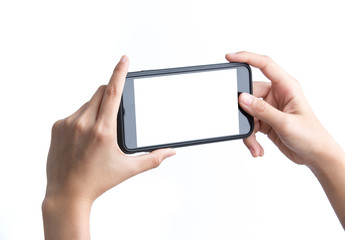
[178,108]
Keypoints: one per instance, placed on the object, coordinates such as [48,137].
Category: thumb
[260,109]
[152,160]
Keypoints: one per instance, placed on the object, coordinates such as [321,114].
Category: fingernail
[233,53]
[246,99]
[124,58]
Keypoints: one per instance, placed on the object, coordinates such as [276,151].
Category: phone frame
[181,70]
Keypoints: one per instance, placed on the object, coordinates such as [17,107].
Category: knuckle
[268,59]
[102,88]
[79,125]
[155,161]
[261,107]
[246,141]
[112,90]
[57,125]
[101,132]
[68,121]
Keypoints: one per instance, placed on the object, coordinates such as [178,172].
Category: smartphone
[184,106]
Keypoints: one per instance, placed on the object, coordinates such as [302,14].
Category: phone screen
[186,107]
[161,107]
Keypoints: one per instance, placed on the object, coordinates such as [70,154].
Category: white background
[177,108]
[54,55]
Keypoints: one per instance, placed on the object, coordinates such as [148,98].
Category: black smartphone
[184,106]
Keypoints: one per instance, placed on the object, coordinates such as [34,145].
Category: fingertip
[162,154]
[170,152]
[253,152]
[230,56]
[122,65]
[262,152]
[257,152]
[254,147]
[124,59]
[246,99]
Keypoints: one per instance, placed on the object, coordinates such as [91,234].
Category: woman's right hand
[282,112]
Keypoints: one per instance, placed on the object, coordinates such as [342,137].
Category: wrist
[328,159]
[52,204]
[330,173]
[66,218]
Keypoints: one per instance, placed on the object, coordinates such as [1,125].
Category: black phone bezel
[168,71]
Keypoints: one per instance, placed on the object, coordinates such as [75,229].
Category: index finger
[261,89]
[267,66]
[112,94]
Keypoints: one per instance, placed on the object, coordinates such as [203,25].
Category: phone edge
[120,133]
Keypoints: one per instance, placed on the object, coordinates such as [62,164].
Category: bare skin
[282,113]
[84,160]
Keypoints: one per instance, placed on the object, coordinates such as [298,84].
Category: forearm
[66,219]
[330,171]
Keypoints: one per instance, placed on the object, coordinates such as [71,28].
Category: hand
[84,161]
[282,112]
